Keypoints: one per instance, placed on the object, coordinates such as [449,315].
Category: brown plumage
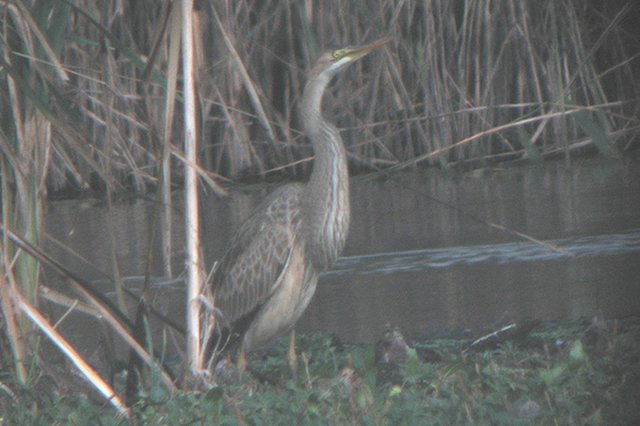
[267,277]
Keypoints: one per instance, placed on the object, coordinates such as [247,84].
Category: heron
[268,275]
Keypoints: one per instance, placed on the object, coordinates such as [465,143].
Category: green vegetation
[562,373]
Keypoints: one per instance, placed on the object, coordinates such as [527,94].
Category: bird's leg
[292,357]
[242,361]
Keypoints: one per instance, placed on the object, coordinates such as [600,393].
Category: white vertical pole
[192,231]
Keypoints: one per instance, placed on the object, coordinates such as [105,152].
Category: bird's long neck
[326,198]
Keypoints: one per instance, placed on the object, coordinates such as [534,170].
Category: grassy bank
[583,372]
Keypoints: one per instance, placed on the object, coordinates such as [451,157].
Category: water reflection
[414,262]
[421,260]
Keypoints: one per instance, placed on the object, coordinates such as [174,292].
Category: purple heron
[267,277]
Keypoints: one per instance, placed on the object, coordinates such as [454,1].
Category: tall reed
[453,70]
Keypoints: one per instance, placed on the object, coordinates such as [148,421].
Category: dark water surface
[413,262]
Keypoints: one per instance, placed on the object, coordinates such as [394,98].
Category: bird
[268,275]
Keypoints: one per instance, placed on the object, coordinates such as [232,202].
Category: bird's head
[323,71]
[336,60]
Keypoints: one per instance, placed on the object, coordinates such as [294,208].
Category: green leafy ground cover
[585,372]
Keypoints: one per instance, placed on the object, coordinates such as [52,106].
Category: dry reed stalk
[7,288]
[22,15]
[248,82]
[71,303]
[118,322]
[518,123]
[23,173]
[165,170]
[447,57]
[90,374]
[192,228]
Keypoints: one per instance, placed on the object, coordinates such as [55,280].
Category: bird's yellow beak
[350,54]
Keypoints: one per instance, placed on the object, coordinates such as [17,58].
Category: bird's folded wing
[258,255]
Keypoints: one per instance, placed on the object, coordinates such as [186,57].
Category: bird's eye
[337,54]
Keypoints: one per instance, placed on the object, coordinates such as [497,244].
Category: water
[414,262]
[506,253]
[426,291]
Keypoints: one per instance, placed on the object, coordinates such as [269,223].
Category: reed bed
[460,81]
[92,100]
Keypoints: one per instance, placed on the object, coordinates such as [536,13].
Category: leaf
[549,377]
[596,130]
[578,354]
[214,394]
[532,152]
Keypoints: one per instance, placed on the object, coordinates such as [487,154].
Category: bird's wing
[257,255]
